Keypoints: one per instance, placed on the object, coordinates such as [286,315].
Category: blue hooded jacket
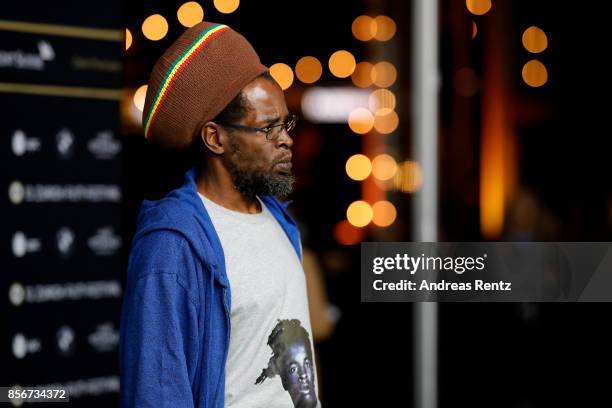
[175,320]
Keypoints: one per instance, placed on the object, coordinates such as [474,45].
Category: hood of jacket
[183,212]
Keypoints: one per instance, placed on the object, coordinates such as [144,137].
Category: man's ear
[211,137]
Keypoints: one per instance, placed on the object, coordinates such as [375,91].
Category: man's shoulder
[169,212]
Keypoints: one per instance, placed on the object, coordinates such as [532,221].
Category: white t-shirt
[269,305]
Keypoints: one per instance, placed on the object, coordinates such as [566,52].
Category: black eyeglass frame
[289,124]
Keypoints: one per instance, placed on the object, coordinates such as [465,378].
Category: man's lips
[284,163]
[285,166]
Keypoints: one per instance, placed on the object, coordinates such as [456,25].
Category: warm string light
[342,64]
[534,72]
[139,97]
[478,7]
[308,69]
[358,167]
[128,39]
[380,116]
[366,28]
[155,27]
[282,74]
[226,6]
[190,14]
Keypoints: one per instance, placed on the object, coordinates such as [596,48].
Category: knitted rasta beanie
[194,80]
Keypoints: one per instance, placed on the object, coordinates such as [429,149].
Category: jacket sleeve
[159,326]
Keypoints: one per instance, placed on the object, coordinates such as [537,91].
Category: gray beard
[258,183]
[252,184]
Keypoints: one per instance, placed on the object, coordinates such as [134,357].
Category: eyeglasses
[272,132]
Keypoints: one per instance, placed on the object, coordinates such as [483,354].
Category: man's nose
[284,139]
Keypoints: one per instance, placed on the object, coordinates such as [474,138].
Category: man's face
[298,376]
[257,165]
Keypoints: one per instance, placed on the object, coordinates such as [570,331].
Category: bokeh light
[384,167]
[474,29]
[362,28]
[384,28]
[384,74]
[535,73]
[308,69]
[139,97]
[383,213]
[409,177]
[190,14]
[359,213]
[342,64]
[534,40]
[282,74]
[358,167]
[386,123]
[361,121]
[382,101]
[226,6]
[128,39]
[346,234]
[478,7]
[155,27]
[362,76]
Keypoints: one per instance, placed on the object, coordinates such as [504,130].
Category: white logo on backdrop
[23,245]
[16,192]
[65,340]
[21,144]
[61,292]
[104,242]
[65,143]
[104,146]
[45,50]
[16,294]
[105,338]
[65,242]
[22,345]
[31,61]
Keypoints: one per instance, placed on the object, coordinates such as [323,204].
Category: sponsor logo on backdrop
[104,146]
[65,143]
[104,338]
[16,294]
[65,242]
[33,60]
[22,144]
[88,387]
[55,193]
[65,340]
[95,64]
[22,346]
[16,192]
[105,242]
[59,292]
[23,245]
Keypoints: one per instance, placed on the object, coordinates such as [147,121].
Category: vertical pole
[425,85]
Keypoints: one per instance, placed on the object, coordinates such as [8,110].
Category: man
[292,360]
[215,264]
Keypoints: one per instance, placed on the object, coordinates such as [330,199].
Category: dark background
[504,355]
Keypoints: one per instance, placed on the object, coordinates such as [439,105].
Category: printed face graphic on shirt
[292,360]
